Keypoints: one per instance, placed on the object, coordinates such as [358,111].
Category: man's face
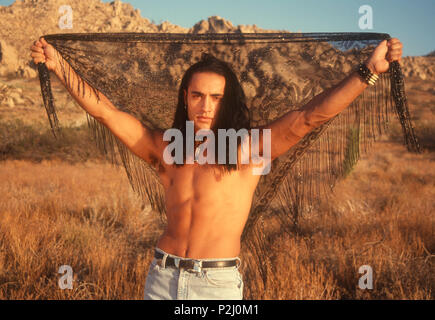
[203,98]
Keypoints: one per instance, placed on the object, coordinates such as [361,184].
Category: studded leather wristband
[365,73]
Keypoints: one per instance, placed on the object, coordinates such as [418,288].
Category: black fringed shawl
[140,74]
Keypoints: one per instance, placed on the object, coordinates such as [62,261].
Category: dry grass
[382,216]
[85,215]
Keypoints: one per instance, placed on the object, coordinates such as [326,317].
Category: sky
[410,21]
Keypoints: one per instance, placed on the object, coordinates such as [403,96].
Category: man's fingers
[44,43]
[393,41]
[383,43]
[36,55]
[37,60]
[37,49]
[382,48]
[396,46]
[394,50]
[37,52]
[392,57]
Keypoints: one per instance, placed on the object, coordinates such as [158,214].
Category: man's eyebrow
[213,94]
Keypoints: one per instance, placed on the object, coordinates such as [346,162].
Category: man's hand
[384,53]
[44,52]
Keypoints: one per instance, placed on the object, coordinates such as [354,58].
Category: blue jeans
[172,283]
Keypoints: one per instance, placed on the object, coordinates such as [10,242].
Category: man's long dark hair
[233,112]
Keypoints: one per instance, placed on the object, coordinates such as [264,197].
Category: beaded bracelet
[365,73]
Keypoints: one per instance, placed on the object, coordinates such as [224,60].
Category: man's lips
[202,118]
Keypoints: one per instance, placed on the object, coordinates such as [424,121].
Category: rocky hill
[419,67]
[33,18]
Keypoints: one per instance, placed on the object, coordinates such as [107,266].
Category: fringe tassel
[143,178]
[398,93]
[47,96]
[328,153]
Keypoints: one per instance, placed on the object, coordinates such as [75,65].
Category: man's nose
[207,104]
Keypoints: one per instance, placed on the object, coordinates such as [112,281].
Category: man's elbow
[300,126]
[314,119]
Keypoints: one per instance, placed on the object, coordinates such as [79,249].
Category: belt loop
[165,255]
[177,262]
[240,262]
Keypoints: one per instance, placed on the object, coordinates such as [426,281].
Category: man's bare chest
[199,179]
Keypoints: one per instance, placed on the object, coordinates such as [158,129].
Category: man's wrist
[371,67]
[366,74]
[57,70]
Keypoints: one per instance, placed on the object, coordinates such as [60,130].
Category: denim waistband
[166,255]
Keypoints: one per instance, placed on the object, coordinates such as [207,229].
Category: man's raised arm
[293,126]
[139,139]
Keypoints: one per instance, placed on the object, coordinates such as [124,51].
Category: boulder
[419,67]
[9,62]
[213,24]
[10,103]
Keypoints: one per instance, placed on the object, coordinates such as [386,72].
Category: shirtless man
[197,256]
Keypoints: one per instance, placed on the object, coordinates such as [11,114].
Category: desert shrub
[425,132]
[29,142]
[352,151]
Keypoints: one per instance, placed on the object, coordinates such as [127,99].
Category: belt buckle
[197,266]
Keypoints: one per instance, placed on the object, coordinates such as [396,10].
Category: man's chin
[203,127]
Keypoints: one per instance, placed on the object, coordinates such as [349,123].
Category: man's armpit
[156,163]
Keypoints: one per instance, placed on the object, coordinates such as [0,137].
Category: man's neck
[199,142]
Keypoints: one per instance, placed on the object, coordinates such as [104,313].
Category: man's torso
[206,208]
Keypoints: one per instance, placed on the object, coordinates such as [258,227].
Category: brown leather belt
[193,264]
